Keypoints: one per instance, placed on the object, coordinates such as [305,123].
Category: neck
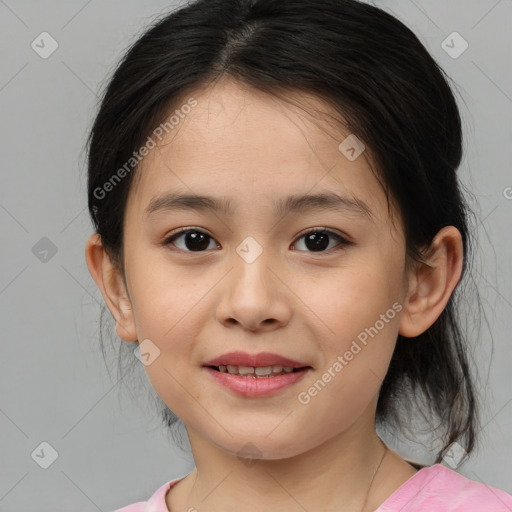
[337,472]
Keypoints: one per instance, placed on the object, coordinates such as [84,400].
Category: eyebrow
[326,201]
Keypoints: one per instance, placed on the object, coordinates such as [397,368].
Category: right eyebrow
[178,201]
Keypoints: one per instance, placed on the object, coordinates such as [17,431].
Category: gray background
[54,384]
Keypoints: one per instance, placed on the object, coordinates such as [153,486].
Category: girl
[280,229]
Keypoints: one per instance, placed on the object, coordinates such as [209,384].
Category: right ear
[109,280]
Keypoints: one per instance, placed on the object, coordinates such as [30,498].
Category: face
[320,284]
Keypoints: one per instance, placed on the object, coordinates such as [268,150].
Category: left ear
[431,285]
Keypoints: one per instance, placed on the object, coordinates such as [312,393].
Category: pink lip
[250,386]
[262,359]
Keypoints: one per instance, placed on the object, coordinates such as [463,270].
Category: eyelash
[343,242]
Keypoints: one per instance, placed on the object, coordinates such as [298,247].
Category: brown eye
[318,240]
[193,240]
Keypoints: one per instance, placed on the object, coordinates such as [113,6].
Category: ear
[431,285]
[110,281]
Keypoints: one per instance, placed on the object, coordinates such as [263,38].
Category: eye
[317,239]
[194,240]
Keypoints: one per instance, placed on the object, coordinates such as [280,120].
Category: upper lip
[261,359]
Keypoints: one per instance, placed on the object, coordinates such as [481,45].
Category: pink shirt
[432,489]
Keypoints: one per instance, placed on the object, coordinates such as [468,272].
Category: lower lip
[256,386]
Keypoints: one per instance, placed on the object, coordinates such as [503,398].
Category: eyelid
[323,229]
[185,229]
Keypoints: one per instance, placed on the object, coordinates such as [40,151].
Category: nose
[254,295]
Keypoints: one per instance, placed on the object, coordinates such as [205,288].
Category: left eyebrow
[326,201]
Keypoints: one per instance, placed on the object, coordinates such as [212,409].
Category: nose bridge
[252,296]
[251,263]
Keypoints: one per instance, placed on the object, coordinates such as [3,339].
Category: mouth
[255,375]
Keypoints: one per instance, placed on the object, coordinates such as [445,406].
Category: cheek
[346,303]
[163,295]
[356,337]
[171,316]
[357,321]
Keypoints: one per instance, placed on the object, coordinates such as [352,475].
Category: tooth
[263,370]
[259,371]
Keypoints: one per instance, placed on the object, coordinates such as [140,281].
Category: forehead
[248,146]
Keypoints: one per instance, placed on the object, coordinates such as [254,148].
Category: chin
[263,448]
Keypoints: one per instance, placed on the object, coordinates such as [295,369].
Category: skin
[291,300]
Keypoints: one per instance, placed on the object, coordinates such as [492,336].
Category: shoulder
[156,503]
[440,488]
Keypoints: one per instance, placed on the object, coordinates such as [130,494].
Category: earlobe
[432,283]
[109,280]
